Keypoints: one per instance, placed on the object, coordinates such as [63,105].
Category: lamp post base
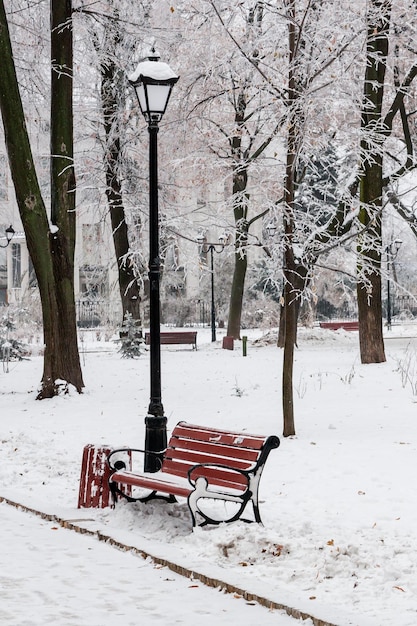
[155,441]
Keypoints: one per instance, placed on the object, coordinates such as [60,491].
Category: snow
[338,500]
[152,69]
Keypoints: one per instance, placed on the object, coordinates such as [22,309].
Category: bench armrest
[118,464]
[219,466]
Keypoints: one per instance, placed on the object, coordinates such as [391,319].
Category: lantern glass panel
[158,97]
[141,94]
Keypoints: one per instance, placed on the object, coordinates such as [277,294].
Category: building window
[93,282]
[32,275]
[3,178]
[45,176]
[92,244]
[16,266]
[171,256]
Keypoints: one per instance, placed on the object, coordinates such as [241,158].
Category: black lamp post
[391,251]
[153,82]
[212,247]
[9,236]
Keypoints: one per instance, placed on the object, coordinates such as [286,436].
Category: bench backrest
[190,445]
[353,325]
[174,337]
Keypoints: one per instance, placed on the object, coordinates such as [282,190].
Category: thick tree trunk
[62,362]
[369,300]
[370,324]
[371,187]
[51,253]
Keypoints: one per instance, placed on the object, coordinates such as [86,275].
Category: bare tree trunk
[240,211]
[51,252]
[239,272]
[290,295]
[65,361]
[300,283]
[371,186]
[241,158]
[128,283]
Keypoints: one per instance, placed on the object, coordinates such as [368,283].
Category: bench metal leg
[153,495]
[202,493]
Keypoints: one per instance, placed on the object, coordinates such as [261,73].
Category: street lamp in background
[212,247]
[153,82]
[9,236]
[391,251]
[271,229]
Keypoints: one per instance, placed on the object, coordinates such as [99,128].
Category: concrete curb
[178,569]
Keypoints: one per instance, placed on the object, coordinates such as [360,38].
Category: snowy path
[52,575]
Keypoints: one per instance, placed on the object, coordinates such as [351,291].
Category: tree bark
[240,211]
[300,283]
[110,102]
[371,186]
[239,272]
[51,252]
[241,158]
[290,292]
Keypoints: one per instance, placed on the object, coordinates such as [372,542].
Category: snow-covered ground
[338,500]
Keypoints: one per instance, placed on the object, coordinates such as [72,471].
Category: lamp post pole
[388,293]
[212,247]
[156,437]
[391,251]
[213,306]
[153,82]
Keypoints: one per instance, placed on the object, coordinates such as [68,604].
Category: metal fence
[94,313]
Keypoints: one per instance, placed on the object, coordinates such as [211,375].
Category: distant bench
[188,337]
[200,464]
[344,325]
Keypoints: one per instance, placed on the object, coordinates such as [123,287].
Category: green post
[244,345]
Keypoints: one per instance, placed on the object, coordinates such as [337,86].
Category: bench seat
[164,484]
[201,464]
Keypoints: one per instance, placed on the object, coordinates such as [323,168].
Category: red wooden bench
[188,337]
[353,325]
[201,464]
